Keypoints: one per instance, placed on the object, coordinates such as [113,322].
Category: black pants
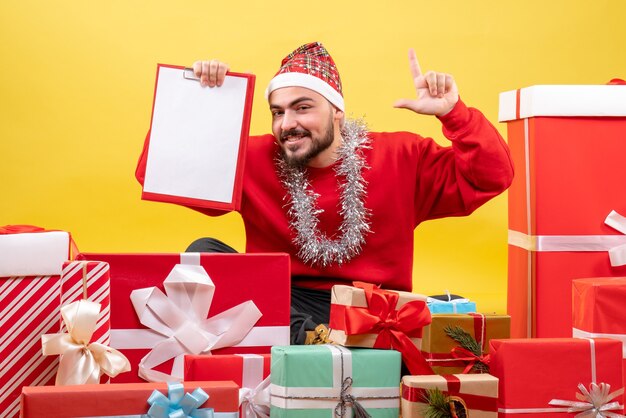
[309,307]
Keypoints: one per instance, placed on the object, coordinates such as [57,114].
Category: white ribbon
[181,318]
[594,402]
[254,395]
[615,245]
[579,333]
[617,254]
[255,403]
[259,336]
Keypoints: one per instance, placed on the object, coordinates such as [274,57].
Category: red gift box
[116,400]
[599,310]
[249,371]
[31,259]
[533,372]
[566,143]
[234,276]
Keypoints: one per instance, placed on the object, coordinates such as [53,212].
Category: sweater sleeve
[456,180]
[140,175]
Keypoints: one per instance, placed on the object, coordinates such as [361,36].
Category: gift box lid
[116,399]
[451,306]
[247,370]
[130,271]
[472,384]
[598,305]
[313,366]
[563,100]
[33,253]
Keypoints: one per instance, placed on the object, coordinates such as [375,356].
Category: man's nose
[289,121]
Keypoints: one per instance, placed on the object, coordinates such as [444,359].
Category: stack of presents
[207,335]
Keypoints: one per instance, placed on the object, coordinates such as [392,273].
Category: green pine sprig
[438,404]
[469,343]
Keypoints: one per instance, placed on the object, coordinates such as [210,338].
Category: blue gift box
[451,306]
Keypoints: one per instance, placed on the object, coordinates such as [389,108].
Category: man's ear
[339,114]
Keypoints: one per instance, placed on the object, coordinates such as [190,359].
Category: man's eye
[304,107]
[276,113]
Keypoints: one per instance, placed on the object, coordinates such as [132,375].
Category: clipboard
[198,139]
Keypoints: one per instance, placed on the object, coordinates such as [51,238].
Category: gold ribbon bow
[80,361]
[319,336]
[593,403]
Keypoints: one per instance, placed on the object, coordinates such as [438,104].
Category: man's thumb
[405,104]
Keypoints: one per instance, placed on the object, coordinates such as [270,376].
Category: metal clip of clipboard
[189,74]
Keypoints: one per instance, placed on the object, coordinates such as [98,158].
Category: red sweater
[411,179]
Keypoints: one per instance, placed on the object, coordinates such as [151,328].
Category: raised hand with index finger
[437,93]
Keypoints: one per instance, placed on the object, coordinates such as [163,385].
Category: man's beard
[317,145]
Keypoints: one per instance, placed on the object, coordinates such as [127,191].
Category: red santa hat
[312,67]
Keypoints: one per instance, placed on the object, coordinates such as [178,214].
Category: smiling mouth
[291,137]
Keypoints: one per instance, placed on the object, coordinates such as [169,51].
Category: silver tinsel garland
[315,248]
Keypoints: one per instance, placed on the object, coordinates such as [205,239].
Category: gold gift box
[437,346]
[478,393]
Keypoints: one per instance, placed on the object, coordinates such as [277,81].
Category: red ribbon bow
[464,354]
[395,328]
[19,229]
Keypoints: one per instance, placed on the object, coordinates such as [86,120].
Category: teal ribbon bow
[179,404]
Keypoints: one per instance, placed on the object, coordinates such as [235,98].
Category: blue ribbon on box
[178,404]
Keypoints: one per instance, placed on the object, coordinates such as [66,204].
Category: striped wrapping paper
[88,280]
[29,307]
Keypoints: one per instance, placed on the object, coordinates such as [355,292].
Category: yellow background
[77,79]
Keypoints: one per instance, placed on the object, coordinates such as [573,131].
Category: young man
[343,201]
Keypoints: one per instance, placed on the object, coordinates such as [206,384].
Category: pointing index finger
[416,71]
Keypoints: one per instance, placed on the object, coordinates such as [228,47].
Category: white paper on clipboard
[195,137]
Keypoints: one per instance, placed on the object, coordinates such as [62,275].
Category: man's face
[303,123]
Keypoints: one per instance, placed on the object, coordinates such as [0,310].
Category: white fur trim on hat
[308,81]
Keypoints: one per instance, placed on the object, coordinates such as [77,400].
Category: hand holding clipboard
[198,136]
[210,73]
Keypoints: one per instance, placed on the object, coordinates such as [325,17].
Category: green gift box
[328,381]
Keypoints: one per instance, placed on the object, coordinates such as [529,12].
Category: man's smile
[294,136]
